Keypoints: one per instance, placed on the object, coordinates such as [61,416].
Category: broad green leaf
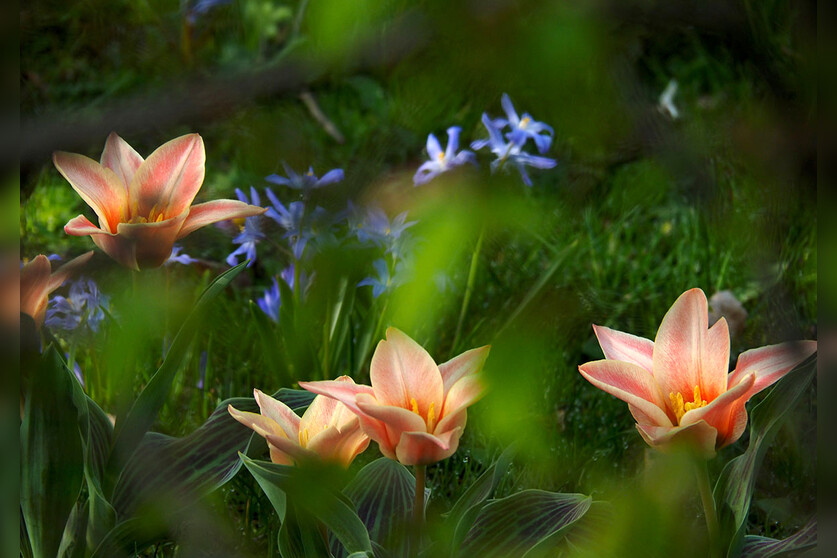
[468,505]
[383,493]
[99,438]
[143,413]
[764,547]
[51,454]
[129,538]
[73,543]
[734,488]
[313,493]
[180,470]
[300,535]
[515,525]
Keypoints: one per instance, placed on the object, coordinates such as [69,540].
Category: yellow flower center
[525,121]
[430,421]
[303,438]
[441,157]
[154,216]
[681,408]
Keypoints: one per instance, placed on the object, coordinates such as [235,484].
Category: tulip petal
[341,446]
[719,411]
[170,178]
[699,437]
[469,362]
[150,244]
[65,271]
[121,158]
[289,447]
[770,363]
[462,395]
[34,285]
[680,344]
[618,345]
[396,418]
[81,226]
[277,411]
[345,392]
[631,384]
[327,412]
[203,214]
[420,448]
[715,361]
[98,186]
[402,372]
[261,424]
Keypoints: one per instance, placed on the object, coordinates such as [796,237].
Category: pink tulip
[677,387]
[144,206]
[415,410]
[37,282]
[327,429]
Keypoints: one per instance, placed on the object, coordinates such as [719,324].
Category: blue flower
[307,181]
[524,128]
[270,301]
[377,227]
[291,219]
[384,282]
[76,369]
[510,152]
[442,161]
[251,233]
[83,306]
[201,7]
[177,257]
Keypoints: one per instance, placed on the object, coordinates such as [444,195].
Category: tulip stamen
[680,407]
[303,437]
[431,418]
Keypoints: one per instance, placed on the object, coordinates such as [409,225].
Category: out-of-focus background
[711,186]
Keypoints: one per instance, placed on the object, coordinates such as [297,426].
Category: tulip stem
[418,509]
[469,288]
[708,508]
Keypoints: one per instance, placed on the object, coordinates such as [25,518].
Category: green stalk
[418,509]
[469,288]
[709,511]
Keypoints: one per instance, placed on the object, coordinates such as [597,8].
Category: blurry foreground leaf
[129,432]
[291,486]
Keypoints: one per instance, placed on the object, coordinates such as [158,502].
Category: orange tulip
[143,206]
[415,410]
[677,387]
[327,429]
[37,282]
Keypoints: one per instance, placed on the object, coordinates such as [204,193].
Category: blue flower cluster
[507,139]
[82,309]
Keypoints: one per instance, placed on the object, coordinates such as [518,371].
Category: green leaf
[515,525]
[175,472]
[129,538]
[383,493]
[73,543]
[300,535]
[143,413]
[466,508]
[764,547]
[51,454]
[734,488]
[311,491]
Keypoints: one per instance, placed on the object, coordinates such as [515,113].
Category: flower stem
[418,509]
[469,288]
[709,512]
